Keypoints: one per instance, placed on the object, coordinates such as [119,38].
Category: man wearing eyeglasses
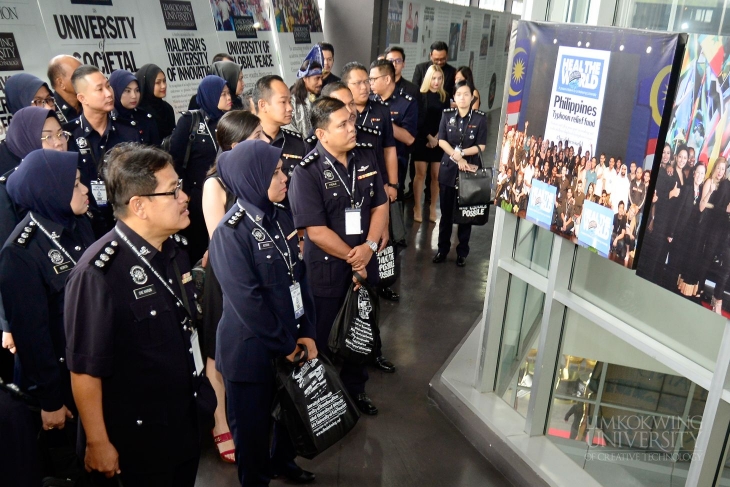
[397,56]
[93,134]
[132,348]
[438,56]
[60,69]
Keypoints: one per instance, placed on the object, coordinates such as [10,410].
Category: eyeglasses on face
[360,84]
[175,192]
[372,79]
[43,102]
[59,136]
[395,61]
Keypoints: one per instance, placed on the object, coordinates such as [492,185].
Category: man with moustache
[60,70]
[93,134]
[439,55]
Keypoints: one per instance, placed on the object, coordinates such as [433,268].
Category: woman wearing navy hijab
[194,150]
[25,90]
[126,100]
[255,255]
[34,265]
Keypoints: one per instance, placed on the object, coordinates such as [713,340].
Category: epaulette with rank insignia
[480,112]
[235,219]
[449,110]
[106,256]
[308,160]
[407,97]
[26,235]
[292,133]
[368,130]
[364,145]
[180,239]
[311,139]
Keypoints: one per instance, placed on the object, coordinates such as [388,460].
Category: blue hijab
[20,89]
[209,94]
[44,184]
[26,129]
[119,80]
[247,169]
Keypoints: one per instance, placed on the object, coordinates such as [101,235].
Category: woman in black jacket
[152,90]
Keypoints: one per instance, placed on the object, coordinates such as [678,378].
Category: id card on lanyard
[296,299]
[98,189]
[353,222]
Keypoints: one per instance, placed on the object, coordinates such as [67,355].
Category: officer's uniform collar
[256,213]
[89,130]
[148,250]
[54,229]
[324,153]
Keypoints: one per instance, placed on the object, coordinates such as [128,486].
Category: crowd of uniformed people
[152,268]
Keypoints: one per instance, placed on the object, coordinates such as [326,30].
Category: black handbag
[355,335]
[475,188]
[397,223]
[313,404]
[387,270]
[470,215]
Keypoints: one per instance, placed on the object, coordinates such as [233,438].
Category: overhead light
[685,26]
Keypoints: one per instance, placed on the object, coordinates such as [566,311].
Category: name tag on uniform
[63,267]
[98,189]
[143,292]
[266,245]
[352,221]
[331,184]
[197,356]
[296,299]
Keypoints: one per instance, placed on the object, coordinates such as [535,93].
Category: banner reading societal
[686,244]
[589,135]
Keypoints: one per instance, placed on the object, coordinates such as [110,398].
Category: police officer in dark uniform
[462,133]
[136,367]
[337,195]
[403,112]
[268,310]
[126,99]
[269,95]
[34,265]
[60,69]
[93,134]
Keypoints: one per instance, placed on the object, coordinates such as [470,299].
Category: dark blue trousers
[249,417]
[353,376]
[447,196]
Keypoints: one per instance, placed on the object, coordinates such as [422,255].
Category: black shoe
[388,293]
[300,476]
[461,261]
[408,195]
[365,405]
[438,258]
[384,364]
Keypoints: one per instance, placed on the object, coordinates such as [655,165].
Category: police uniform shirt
[318,198]
[258,322]
[125,327]
[403,113]
[10,214]
[375,119]
[473,127]
[367,138]
[293,149]
[33,273]
[144,124]
[408,87]
[65,112]
[203,151]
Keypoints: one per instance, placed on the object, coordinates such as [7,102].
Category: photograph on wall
[429,13]
[492,31]
[290,13]
[581,127]
[486,21]
[686,243]
[464,27]
[484,46]
[411,26]
[395,12]
[225,13]
[454,37]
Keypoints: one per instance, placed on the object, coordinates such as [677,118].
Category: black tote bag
[313,405]
[355,335]
[387,270]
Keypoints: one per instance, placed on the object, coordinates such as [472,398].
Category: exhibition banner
[588,133]
[541,204]
[686,243]
[298,28]
[476,38]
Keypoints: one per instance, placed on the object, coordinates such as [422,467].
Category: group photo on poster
[686,247]
[224,12]
[289,13]
[575,153]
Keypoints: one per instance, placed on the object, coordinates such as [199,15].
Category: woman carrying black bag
[462,134]
[268,310]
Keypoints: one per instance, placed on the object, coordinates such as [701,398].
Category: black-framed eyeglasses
[60,136]
[175,192]
[370,80]
[43,102]
[395,61]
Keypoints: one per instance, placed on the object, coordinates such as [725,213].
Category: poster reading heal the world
[583,116]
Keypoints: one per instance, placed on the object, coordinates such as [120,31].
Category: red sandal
[224,454]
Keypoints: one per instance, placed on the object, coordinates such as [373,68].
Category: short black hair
[461,84]
[384,64]
[262,88]
[222,56]
[130,170]
[349,68]
[333,87]
[326,46]
[439,46]
[322,109]
[81,72]
[397,49]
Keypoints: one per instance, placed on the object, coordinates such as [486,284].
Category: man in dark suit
[439,55]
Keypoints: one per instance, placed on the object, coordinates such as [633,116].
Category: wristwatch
[373,246]
[394,186]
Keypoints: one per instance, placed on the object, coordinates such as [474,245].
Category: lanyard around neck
[284,255]
[350,193]
[52,238]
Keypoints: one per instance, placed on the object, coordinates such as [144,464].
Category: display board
[180,36]
[686,245]
[414,26]
[576,97]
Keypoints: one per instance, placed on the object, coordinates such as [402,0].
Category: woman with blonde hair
[426,151]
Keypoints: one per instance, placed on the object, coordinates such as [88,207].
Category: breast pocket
[151,327]
[269,266]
